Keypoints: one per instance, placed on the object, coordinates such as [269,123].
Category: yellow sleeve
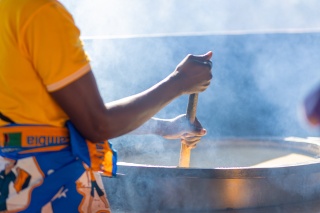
[51,41]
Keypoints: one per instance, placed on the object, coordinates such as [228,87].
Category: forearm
[97,121]
[153,126]
[125,115]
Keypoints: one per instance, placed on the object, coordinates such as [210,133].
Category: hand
[193,77]
[181,128]
[312,107]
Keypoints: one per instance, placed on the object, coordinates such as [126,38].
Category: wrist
[174,84]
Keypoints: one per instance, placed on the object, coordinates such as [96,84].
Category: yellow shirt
[40,52]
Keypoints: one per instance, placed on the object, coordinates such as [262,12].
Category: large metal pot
[148,188]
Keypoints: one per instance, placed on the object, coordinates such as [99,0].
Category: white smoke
[260,77]
[132,17]
[124,40]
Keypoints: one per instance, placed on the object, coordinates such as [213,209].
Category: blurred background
[266,58]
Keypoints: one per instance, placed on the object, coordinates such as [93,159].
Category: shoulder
[48,7]
[25,7]
[20,12]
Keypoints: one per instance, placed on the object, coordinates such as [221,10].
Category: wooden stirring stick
[185,151]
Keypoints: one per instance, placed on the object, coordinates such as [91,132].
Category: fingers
[200,79]
[200,61]
[195,133]
[197,127]
[206,56]
[191,144]
[194,73]
[206,63]
[192,139]
[189,133]
[203,87]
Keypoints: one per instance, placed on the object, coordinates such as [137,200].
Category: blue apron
[46,169]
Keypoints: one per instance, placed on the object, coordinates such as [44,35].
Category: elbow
[94,129]
[103,128]
[101,125]
[97,133]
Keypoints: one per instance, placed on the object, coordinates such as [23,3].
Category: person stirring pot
[53,122]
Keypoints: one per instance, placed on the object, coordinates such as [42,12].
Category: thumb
[199,130]
[208,55]
[202,132]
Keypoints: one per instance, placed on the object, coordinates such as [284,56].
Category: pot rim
[300,169]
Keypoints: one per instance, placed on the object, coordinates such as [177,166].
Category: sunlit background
[131,17]
[266,60]
[266,57]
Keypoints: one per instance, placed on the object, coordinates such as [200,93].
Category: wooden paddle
[185,151]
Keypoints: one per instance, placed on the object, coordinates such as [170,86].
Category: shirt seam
[70,78]
[27,23]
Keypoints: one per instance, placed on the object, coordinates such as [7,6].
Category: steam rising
[260,78]
[266,59]
[127,17]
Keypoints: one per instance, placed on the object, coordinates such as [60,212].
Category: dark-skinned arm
[97,121]
[175,128]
